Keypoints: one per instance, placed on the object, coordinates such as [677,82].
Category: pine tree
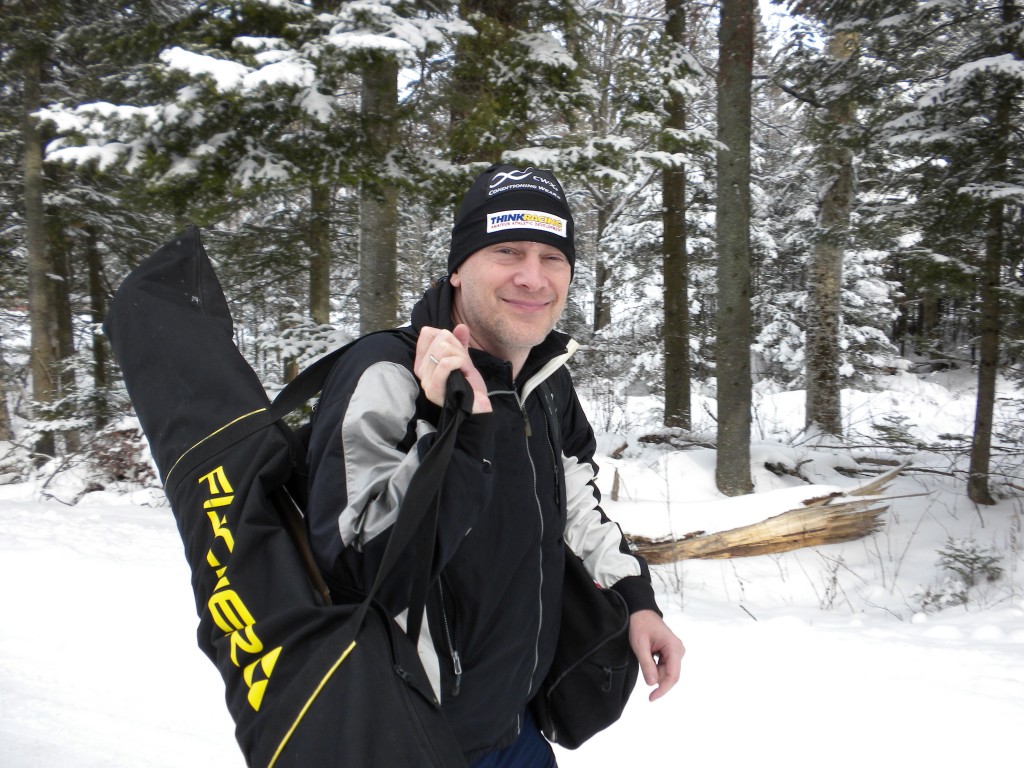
[837,236]
[254,103]
[30,55]
[964,132]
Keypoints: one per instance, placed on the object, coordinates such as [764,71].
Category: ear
[455,279]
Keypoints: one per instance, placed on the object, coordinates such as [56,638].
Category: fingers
[438,353]
[658,650]
[648,667]
[670,658]
[432,347]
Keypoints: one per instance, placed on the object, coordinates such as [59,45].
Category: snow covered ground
[811,657]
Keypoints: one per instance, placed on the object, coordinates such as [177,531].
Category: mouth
[523,305]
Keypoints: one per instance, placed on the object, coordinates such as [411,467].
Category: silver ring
[434,360]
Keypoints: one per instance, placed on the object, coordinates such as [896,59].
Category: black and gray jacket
[519,487]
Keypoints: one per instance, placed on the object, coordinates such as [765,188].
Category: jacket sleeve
[588,530]
[371,428]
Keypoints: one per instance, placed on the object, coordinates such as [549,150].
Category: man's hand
[657,648]
[438,353]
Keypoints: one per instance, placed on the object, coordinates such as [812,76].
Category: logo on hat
[501,178]
[545,222]
[530,179]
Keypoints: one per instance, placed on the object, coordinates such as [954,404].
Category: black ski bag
[307,683]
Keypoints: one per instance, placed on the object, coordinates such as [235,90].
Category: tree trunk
[42,314]
[988,358]
[734,315]
[675,266]
[378,258]
[989,293]
[320,254]
[6,433]
[97,313]
[378,202]
[60,259]
[825,272]
[602,272]
[602,302]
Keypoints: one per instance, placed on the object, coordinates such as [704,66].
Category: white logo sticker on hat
[504,178]
[546,222]
[529,179]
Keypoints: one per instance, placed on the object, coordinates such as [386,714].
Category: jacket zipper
[456,659]
[529,429]
[540,550]
[555,453]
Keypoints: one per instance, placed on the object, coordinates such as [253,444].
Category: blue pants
[529,750]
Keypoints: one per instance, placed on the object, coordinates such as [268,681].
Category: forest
[800,195]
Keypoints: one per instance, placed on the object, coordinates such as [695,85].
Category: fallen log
[842,516]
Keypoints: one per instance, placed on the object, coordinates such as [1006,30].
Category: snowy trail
[99,667]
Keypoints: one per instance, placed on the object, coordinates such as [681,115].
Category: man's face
[511,295]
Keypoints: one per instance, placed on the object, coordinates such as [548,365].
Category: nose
[530,274]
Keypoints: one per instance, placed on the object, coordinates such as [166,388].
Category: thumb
[481,403]
[461,332]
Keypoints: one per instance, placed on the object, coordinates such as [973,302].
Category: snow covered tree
[831,329]
[42,59]
[254,117]
[964,133]
[613,149]
[829,85]
[29,29]
[825,277]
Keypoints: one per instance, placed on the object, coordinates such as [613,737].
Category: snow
[809,657]
[288,70]
[546,51]
[227,75]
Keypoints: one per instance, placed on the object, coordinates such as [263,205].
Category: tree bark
[320,254]
[97,313]
[60,260]
[990,288]
[378,202]
[602,273]
[734,315]
[825,272]
[42,314]
[675,266]
[988,358]
[5,413]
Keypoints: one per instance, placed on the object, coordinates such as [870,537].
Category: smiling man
[519,488]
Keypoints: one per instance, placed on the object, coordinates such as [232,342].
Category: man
[520,485]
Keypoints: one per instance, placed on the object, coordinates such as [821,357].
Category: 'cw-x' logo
[501,178]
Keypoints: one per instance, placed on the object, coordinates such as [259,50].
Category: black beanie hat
[507,203]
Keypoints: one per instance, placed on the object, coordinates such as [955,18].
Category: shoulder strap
[419,509]
[414,530]
[311,380]
[303,387]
